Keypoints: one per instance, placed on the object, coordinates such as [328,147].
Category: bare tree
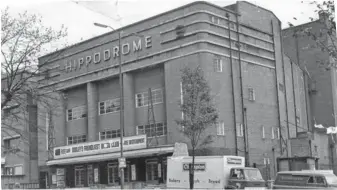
[199,112]
[23,39]
[325,38]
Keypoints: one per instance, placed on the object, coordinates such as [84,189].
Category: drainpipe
[298,63]
[245,138]
[232,81]
[243,109]
[276,83]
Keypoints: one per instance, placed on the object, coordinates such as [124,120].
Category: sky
[79,16]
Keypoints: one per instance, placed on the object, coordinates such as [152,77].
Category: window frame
[220,126]
[144,98]
[80,169]
[106,106]
[114,165]
[164,126]
[218,64]
[84,136]
[251,94]
[154,168]
[83,112]
[117,132]
[263,132]
[239,133]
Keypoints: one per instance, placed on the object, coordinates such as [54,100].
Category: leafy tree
[325,39]
[198,110]
[23,39]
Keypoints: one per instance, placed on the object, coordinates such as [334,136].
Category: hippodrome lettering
[107,54]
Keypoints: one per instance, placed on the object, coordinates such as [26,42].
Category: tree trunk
[191,168]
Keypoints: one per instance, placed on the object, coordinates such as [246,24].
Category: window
[109,134]
[320,180]
[142,99]
[76,113]
[150,130]
[181,103]
[9,170]
[109,106]
[113,173]
[251,94]
[239,130]
[10,109]
[311,180]
[113,176]
[18,170]
[263,133]
[79,176]
[275,133]
[151,171]
[215,20]
[77,139]
[220,128]
[11,144]
[266,161]
[217,65]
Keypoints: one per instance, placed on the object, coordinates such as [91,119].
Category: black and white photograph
[168,94]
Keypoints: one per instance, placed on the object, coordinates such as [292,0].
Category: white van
[213,172]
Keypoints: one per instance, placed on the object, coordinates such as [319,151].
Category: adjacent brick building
[19,130]
[256,90]
[321,82]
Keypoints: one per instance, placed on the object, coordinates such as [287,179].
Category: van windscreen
[253,174]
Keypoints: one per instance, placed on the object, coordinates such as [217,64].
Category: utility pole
[121,111]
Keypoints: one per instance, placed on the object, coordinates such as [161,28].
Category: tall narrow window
[263,133]
[278,133]
[217,64]
[251,94]
[272,133]
[220,128]
[181,102]
[239,130]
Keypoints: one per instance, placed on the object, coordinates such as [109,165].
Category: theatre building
[251,82]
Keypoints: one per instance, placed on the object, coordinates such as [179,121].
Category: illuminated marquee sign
[107,54]
[99,147]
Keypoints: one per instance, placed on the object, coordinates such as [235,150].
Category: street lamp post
[121,97]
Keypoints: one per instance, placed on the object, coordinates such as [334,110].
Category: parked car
[308,179]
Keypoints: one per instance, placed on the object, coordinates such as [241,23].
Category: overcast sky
[79,16]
